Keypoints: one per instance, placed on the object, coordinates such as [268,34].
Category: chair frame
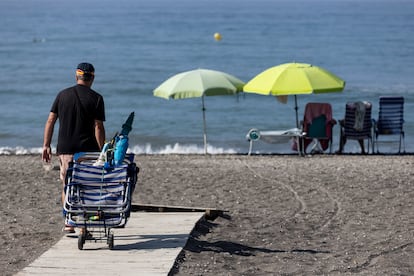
[272,136]
[388,106]
[307,129]
[346,126]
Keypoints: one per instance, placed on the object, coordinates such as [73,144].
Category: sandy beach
[285,215]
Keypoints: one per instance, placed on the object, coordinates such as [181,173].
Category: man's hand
[47,154]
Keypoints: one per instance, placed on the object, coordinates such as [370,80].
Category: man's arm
[100,133]
[47,137]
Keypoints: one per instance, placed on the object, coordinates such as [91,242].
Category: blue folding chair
[390,120]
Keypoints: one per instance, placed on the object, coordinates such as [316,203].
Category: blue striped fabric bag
[93,189]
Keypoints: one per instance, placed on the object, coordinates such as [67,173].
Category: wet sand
[330,214]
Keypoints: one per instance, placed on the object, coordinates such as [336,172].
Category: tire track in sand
[302,204]
[332,214]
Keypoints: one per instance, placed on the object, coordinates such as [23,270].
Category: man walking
[81,113]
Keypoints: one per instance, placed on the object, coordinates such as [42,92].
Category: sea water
[136,45]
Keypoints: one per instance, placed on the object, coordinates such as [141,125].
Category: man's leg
[64,160]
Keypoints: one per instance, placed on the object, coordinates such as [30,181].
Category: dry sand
[287,215]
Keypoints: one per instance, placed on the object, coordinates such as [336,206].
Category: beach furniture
[317,127]
[357,124]
[199,83]
[294,79]
[390,120]
[98,198]
[275,136]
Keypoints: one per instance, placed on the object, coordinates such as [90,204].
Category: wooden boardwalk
[148,245]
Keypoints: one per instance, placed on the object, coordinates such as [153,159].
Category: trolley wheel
[110,241]
[81,241]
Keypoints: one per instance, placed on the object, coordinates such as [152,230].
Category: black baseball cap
[85,68]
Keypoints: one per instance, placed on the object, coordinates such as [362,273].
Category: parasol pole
[204,126]
[296,109]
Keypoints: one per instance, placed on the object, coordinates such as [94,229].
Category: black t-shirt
[77,120]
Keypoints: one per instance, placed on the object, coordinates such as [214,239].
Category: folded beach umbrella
[294,79]
[199,83]
[127,126]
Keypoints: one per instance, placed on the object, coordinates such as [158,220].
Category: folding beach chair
[390,120]
[357,124]
[317,126]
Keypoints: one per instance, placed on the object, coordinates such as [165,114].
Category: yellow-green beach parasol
[199,83]
[294,79]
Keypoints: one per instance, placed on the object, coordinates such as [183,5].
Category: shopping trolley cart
[98,198]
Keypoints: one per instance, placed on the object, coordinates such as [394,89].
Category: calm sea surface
[136,45]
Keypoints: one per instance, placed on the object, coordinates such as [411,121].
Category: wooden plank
[210,213]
